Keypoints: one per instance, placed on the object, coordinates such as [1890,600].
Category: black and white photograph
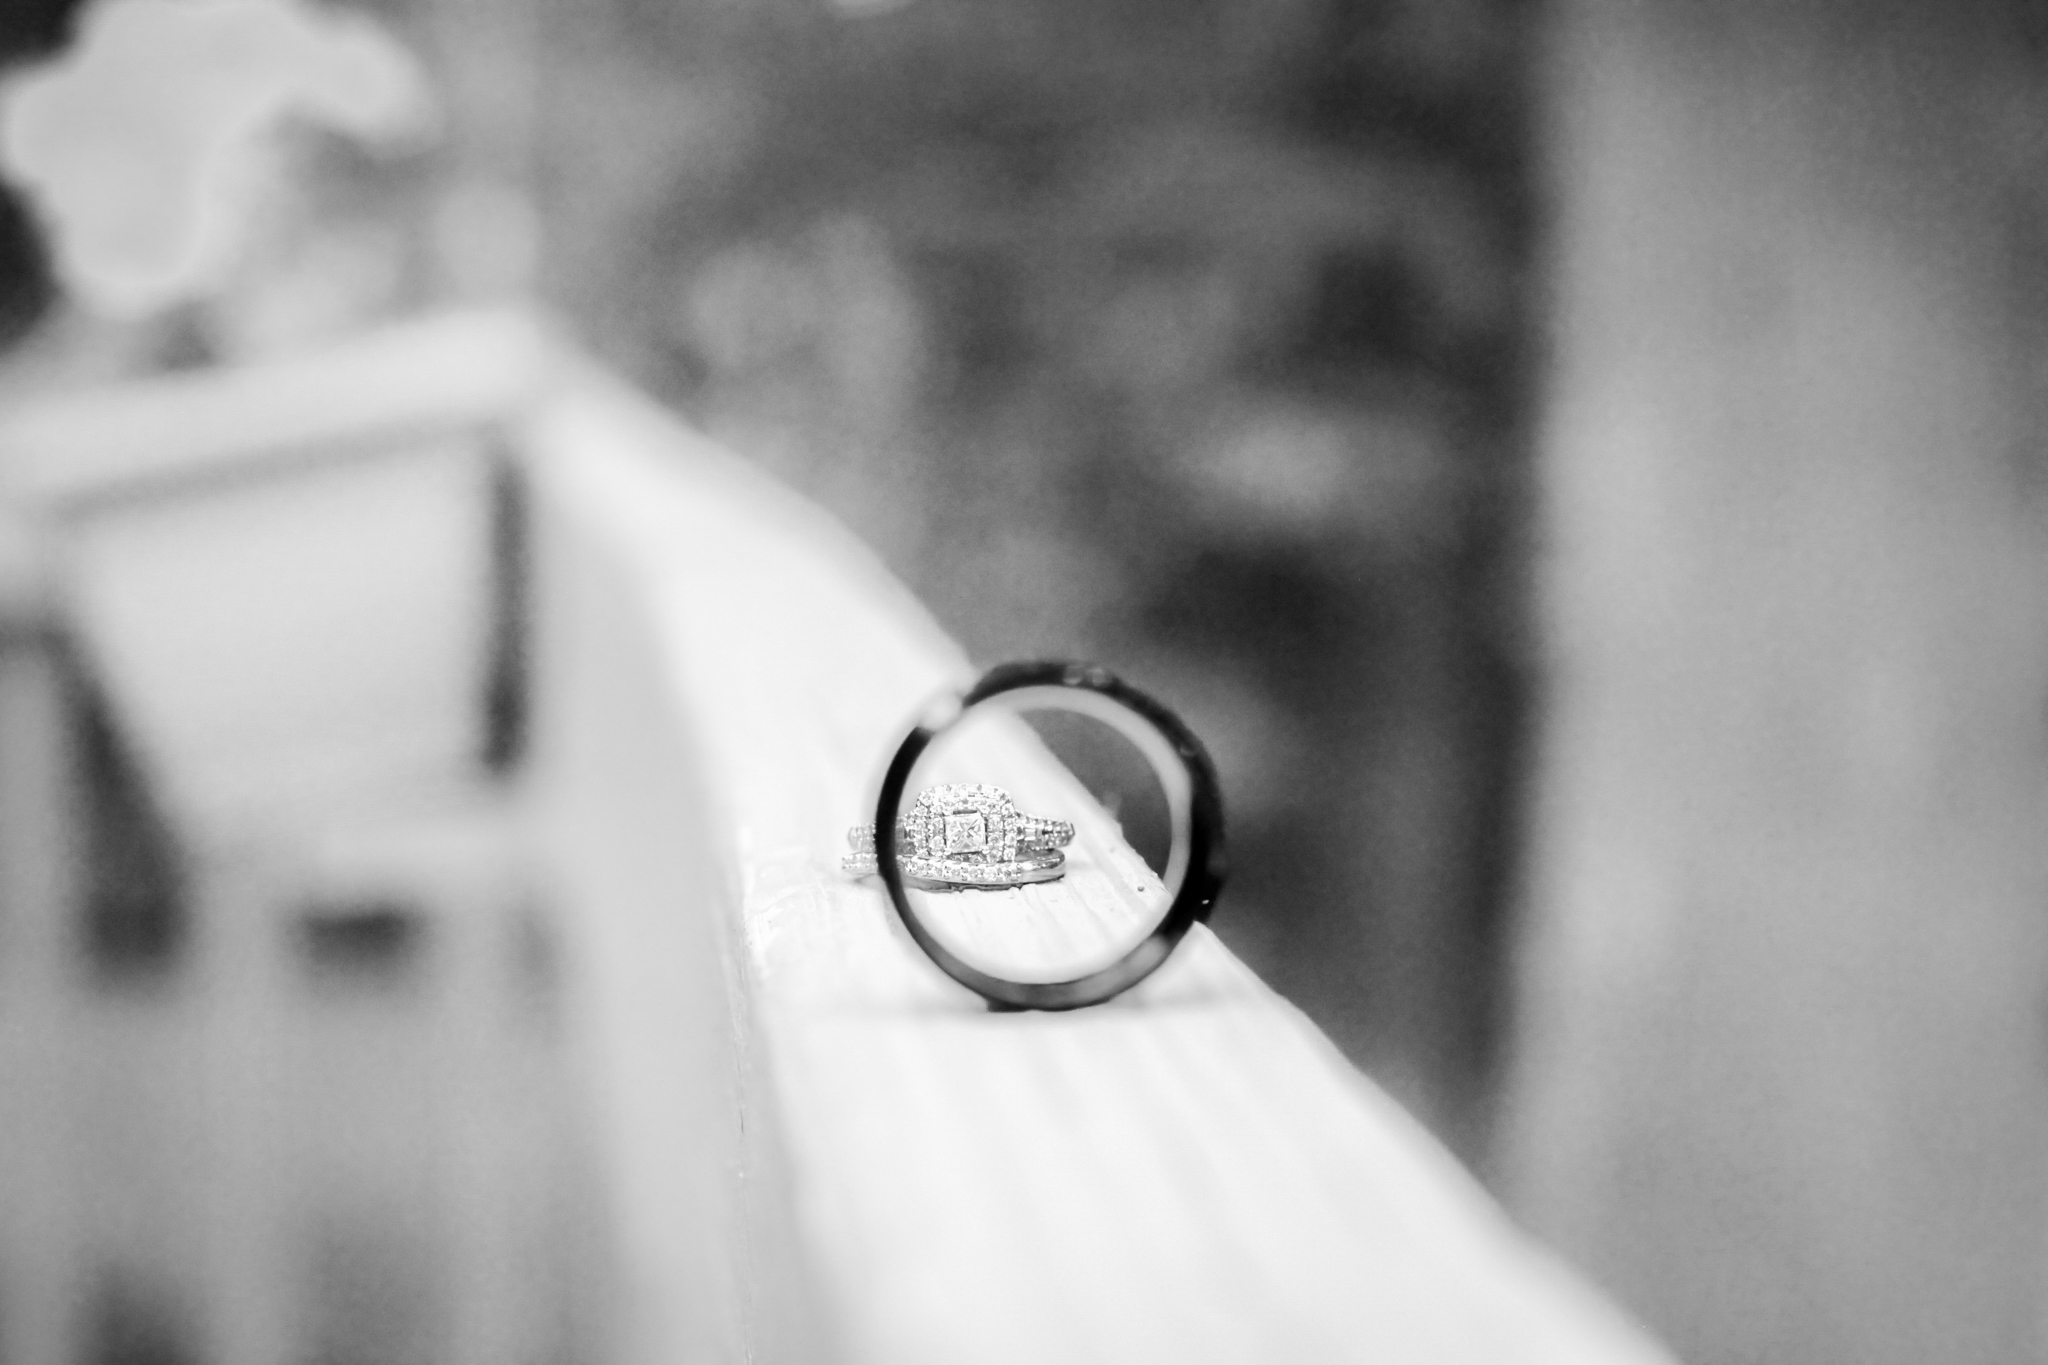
[1023,682]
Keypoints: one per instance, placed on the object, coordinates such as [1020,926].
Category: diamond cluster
[969,822]
[961,834]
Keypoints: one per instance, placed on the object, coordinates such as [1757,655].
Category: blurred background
[1192,343]
[1577,465]
[1187,341]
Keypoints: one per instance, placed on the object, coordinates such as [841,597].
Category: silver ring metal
[960,835]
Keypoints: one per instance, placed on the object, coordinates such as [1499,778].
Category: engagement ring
[966,834]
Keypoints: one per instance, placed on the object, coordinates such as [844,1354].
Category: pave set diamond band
[960,835]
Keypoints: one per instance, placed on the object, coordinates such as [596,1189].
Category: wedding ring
[1191,878]
[966,834]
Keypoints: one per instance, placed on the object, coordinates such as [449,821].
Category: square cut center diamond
[966,831]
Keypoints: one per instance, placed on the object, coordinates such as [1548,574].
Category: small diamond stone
[966,831]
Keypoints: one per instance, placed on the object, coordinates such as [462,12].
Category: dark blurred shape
[29,30]
[136,917]
[27,288]
[506,671]
[367,942]
[1435,81]
[34,29]
[1366,310]
[136,1321]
